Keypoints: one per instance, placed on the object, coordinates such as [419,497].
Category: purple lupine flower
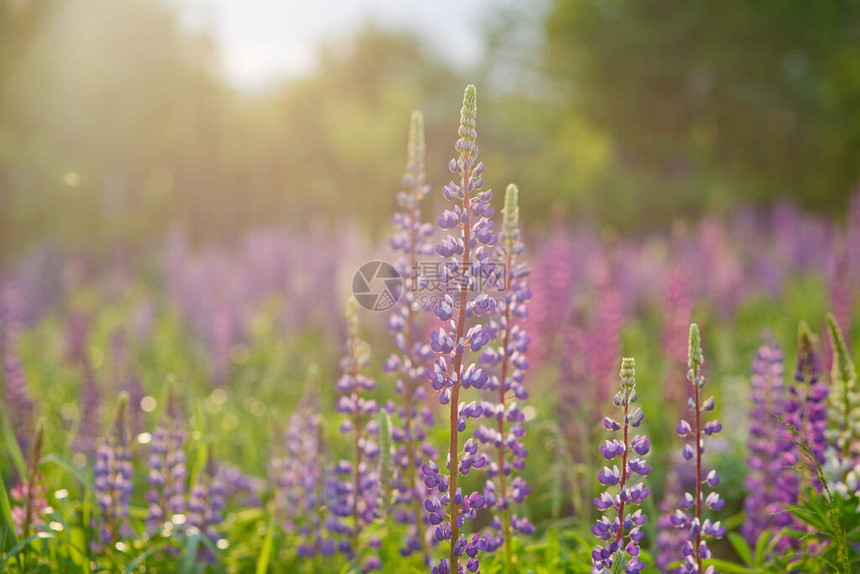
[358,411]
[17,402]
[413,355]
[464,253]
[112,484]
[766,494]
[689,516]
[622,532]
[669,538]
[167,470]
[206,502]
[677,312]
[806,404]
[509,359]
[241,486]
[298,475]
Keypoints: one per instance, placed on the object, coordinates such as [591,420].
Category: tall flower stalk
[689,516]
[113,474]
[806,406]
[766,493]
[206,503]
[413,355]
[358,423]
[463,254]
[510,360]
[167,470]
[622,533]
[843,460]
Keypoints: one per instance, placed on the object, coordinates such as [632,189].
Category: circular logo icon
[377,286]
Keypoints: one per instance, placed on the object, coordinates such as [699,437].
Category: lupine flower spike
[621,532]
[113,473]
[843,460]
[763,504]
[413,355]
[806,407]
[510,360]
[463,254]
[206,503]
[358,423]
[689,516]
[167,471]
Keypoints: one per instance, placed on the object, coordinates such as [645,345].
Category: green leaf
[266,551]
[189,558]
[8,539]
[132,566]
[13,552]
[553,547]
[741,546]
[12,445]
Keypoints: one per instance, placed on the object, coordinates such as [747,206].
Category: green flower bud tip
[628,368]
[36,448]
[416,137]
[843,367]
[512,208]
[468,114]
[805,338]
[696,357]
[384,440]
[121,408]
[313,373]
[171,401]
[352,316]
[617,563]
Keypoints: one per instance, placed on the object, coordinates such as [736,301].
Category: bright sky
[263,40]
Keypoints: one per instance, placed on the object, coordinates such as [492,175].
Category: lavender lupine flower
[622,532]
[358,423]
[843,454]
[18,404]
[302,484]
[689,516]
[765,485]
[206,503]
[806,404]
[510,361]
[112,483]
[413,355]
[669,538]
[167,470]
[463,253]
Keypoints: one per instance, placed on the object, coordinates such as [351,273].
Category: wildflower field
[464,394]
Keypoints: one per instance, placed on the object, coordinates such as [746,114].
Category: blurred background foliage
[116,121]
